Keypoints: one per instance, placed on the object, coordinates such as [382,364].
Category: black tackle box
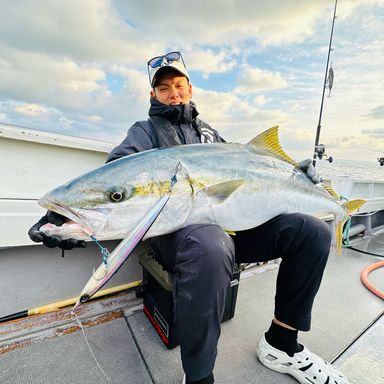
[156,292]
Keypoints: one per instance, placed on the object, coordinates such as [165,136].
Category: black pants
[202,258]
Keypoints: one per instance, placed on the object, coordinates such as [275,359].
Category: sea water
[357,170]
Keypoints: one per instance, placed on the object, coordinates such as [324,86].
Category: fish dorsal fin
[269,141]
[222,191]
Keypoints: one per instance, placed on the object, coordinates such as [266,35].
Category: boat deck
[122,347]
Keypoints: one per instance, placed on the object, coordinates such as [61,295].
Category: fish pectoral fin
[222,191]
[269,141]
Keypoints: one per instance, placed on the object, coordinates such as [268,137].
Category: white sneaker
[304,366]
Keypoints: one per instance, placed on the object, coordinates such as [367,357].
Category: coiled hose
[364,278]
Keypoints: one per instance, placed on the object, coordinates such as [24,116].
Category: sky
[78,67]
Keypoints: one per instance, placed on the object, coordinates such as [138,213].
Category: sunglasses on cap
[159,61]
[172,60]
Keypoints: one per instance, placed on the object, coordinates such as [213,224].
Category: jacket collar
[182,113]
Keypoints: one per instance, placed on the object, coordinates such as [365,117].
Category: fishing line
[79,323]
[365,252]
[104,251]
[347,244]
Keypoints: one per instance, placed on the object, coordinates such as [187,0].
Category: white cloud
[207,62]
[376,113]
[36,77]
[252,80]
[86,30]
[30,110]
[79,80]
[236,119]
[92,118]
[260,100]
[374,133]
[217,22]
[65,120]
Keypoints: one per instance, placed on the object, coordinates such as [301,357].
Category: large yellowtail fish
[236,186]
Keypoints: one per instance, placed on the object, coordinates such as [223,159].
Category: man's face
[172,89]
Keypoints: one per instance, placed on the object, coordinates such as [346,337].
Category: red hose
[364,278]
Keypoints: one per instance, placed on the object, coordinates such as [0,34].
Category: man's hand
[307,167]
[53,241]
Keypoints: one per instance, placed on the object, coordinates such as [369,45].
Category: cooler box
[158,301]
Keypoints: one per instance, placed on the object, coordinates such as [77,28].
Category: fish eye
[116,194]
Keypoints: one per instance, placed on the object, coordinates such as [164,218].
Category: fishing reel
[320,153]
[381,160]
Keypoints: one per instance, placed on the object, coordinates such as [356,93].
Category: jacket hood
[182,113]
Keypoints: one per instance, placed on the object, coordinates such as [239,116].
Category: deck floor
[126,348]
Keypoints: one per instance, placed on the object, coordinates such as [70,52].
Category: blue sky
[79,67]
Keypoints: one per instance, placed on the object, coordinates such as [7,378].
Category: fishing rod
[319,151]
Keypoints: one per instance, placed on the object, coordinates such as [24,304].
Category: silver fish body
[236,186]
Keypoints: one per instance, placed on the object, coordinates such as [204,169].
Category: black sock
[283,338]
[207,380]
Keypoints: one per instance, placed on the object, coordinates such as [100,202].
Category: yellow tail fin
[350,207]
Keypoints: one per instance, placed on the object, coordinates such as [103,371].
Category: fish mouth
[68,212]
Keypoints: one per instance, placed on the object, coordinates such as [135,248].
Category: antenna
[320,148]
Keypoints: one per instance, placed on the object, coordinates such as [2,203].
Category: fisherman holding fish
[202,256]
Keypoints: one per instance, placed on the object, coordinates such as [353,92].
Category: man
[202,256]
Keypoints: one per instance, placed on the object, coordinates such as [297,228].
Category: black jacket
[167,125]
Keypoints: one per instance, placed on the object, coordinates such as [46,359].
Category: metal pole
[325,82]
